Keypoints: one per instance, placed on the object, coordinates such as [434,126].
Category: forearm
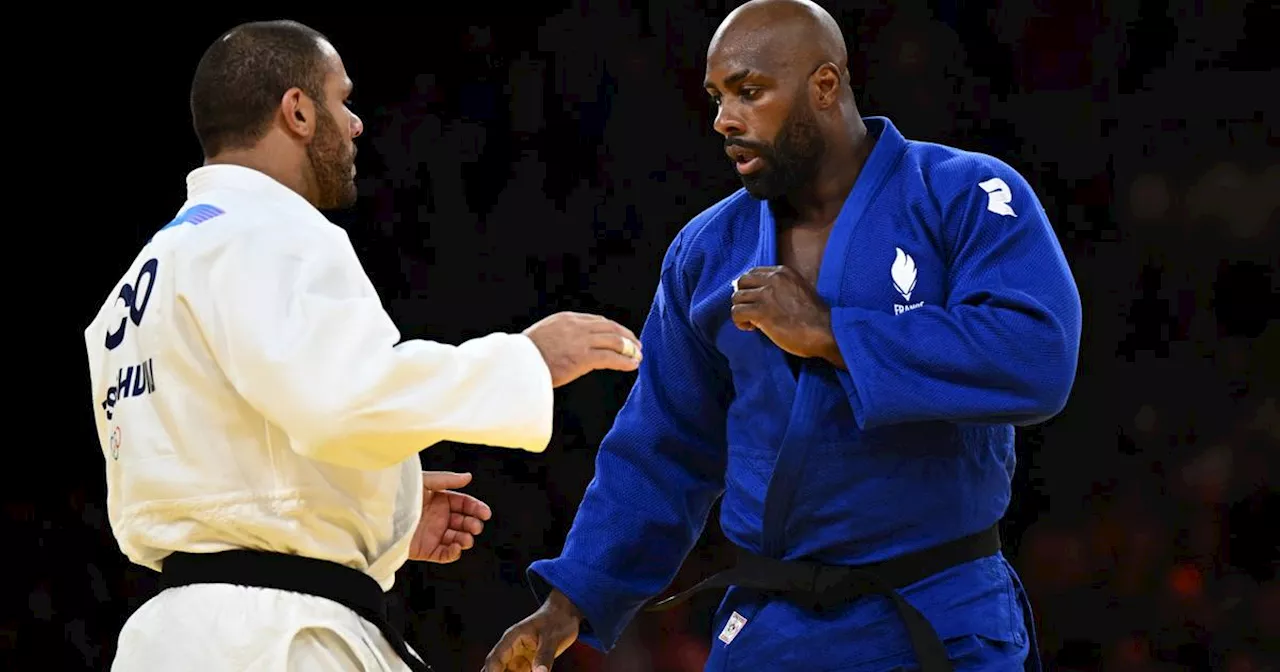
[641,515]
[658,472]
[493,391]
[968,364]
[1001,347]
[300,333]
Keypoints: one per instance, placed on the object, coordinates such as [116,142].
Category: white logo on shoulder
[732,628]
[903,273]
[998,196]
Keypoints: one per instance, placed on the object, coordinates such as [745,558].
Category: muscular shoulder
[954,177]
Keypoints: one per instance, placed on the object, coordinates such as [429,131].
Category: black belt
[820,586]
[349,587]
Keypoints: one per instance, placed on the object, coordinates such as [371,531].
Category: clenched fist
[575,344]
[783,305]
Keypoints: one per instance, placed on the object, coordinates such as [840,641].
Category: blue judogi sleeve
[658,472]
[1004,348]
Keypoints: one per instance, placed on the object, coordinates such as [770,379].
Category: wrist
[559,603]
[827,348]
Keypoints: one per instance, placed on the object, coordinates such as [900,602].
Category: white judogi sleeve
[302,335]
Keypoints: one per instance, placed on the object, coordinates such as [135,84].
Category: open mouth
[746,161]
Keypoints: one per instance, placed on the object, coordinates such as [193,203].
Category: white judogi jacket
[249,391]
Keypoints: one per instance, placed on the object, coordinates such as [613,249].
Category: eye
[749,93]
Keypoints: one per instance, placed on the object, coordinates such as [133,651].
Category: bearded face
[332,156]
[789,163]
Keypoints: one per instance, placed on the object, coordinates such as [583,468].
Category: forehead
[757,51]
[335,74]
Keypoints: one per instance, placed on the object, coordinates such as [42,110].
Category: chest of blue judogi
[790,425]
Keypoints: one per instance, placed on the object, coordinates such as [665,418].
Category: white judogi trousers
[227,628]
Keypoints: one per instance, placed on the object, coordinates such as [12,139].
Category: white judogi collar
[211,178]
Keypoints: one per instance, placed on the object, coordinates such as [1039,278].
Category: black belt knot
[820,587]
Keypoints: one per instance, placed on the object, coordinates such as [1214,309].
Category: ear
[825,83]
[298,113]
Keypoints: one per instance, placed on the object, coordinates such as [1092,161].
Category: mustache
[753,146]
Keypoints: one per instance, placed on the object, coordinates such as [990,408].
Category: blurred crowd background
[527,159]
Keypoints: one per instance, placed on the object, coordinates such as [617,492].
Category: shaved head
[793,36]
[778,72]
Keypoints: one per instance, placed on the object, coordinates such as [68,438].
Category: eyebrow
[732,79]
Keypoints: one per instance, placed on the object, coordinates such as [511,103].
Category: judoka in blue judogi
[841,350]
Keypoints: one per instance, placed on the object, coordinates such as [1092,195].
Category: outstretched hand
[450,520]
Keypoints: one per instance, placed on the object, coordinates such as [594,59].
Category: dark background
[521,161]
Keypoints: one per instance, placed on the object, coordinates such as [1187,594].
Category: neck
[275,164]
[819,203]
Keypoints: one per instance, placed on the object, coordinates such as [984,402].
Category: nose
[357,126]
[727,123]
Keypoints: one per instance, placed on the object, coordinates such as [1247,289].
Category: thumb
[444,480]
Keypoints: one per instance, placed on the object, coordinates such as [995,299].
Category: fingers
[545,656]
[746,281]
[574,344]
[757,277]
[630,348]
[607,326]
[454,537]
[462,523]
[747,305]
[610,358]
[600,324]
[514,646]
[618,343]
[447,554]
[522,654]
[468,505]
[745,295]
[745,315]
[444,480]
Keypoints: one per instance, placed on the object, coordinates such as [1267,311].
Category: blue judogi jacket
[958,318]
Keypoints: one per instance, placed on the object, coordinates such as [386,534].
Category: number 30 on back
[129,295]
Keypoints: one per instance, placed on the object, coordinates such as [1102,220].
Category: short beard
[791,162]
[331,165]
